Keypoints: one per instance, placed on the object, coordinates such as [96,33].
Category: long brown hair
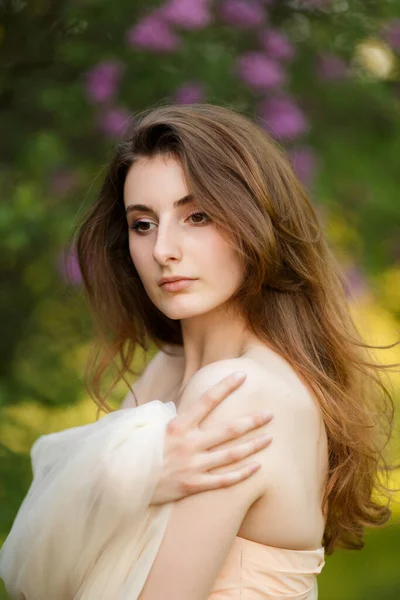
[292,293]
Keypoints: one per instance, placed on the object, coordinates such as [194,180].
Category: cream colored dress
[86,531]
[254,571]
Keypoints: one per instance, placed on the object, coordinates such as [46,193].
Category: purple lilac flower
[192,91]
[304,161]
[243,14]
[68,268]
[276,44]
[153,33]
[259,71]
[391,33]
[281,116]
[331,68]
[102,81]
[188,14]
[114,121]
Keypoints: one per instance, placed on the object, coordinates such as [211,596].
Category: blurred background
[322,76]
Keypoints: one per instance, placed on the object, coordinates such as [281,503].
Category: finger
[219,458]
[214,436]
[211,398]
[213,482]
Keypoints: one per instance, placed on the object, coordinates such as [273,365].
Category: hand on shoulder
[295,428]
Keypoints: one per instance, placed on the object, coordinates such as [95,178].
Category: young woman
[203,242]
[200,194]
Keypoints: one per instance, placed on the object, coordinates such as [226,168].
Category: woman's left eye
[200,218]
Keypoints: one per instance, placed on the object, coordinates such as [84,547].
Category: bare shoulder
[266,388]
[159,374]
[297,426]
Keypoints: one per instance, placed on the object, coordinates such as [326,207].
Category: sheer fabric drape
[85,530]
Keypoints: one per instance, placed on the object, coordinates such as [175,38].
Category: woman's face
[169,236]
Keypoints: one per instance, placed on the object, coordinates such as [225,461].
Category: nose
[167,245]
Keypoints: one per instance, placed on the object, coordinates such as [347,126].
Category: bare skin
[192,452]
[189,464]
[263,522]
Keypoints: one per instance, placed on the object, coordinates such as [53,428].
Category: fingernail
[254,466]
[266,414]
[239,375]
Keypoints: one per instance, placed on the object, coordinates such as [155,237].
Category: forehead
[155,179]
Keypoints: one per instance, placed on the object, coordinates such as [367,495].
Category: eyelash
[136,224]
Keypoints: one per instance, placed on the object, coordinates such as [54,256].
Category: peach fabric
[254,571]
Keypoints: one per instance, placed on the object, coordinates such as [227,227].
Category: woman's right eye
[137,226]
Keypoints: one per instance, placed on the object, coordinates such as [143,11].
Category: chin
[176,310]
[178,315]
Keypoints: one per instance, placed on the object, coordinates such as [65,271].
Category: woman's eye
[137,226]
[199,218]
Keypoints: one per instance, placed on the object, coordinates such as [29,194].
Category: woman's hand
[187,455]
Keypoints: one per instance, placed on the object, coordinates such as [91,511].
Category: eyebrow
[143,208]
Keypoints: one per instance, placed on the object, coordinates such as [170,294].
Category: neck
[211,337]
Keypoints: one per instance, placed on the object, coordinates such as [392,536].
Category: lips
[173,279]
[176,286]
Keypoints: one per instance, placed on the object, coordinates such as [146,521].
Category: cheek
[226,263]
[139,259]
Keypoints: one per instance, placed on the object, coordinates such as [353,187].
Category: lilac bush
[330,68]
[243,14]
[260,72]
[188,14]
[153,33]
[114,121]
[304,160]
[192,91]
[276,44]
[282,117]
[265,68]
[101,82]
